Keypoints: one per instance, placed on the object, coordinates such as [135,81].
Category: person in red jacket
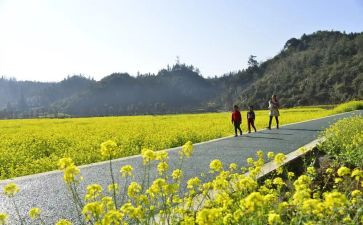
[236,120]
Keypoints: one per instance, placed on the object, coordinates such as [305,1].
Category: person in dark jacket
[251,119]
[237,120]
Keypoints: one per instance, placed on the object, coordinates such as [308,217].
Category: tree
[252,62]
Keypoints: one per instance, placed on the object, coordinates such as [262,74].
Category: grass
[34,145]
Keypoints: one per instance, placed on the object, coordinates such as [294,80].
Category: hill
[320,68]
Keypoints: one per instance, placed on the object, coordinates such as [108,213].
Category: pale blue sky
[50,39]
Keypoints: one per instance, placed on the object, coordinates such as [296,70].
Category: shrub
[348,106]
[344,141]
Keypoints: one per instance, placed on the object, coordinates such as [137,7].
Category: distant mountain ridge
[321,68]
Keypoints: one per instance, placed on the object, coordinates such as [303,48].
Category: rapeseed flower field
[35,145]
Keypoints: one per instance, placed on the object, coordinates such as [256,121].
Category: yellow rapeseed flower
[233,166]
[357,174]
[290,175]
[162,167]
[63,222]
[148,155]
[270,155]
[193,182]
[133,190]
[187,150]
[311,171]
[113,187]
[71,174]
[209,216]
[11,190]
[329,171]
[250,160]
[162,155]
[108,149]
[93,191]
[335,199]
[64,163]
[343,171]
[34,213]
[259,154]
[216,165]
[279,158]
[274,218]
[177,174]
[356,193]
[92,210]
[253,201]
[126,170]
[112,217]
[3,218]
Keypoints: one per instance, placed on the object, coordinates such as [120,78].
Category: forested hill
[321,68]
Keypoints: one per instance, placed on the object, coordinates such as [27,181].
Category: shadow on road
[300,129]
[274,133]
[265,138]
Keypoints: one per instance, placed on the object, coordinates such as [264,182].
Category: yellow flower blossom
[216,165]
[233,166]
[177,174]
[338,180]
[92,210]
[34,213]
[357,174]
[193,182]
[334,199]
[11,190]
[259,154]
[187,150]
[134,189]
[270,155]
[209,216]
[3,218]
[93,191]
[126,170]
[274,218]
[278,182]
[253,201]
[311,171]
[162,167]
[63,163]
[343,171]
[162,155]
[290,175]
[63,222]
[356,193]
[329,171]
[250,160]
[108,149]
[112,217]
[113,188]
[71,174]
[107,203]
[148,155]
[279,158]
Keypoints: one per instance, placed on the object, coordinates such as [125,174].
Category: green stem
[113,183]
[17,212]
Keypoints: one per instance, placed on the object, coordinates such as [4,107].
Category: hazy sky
[50,39]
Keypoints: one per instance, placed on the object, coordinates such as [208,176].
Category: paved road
[48,192]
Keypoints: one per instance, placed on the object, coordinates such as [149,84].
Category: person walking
[273,106]
[236,120]
[251,119]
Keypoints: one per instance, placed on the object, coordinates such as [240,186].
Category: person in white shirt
[273,106]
